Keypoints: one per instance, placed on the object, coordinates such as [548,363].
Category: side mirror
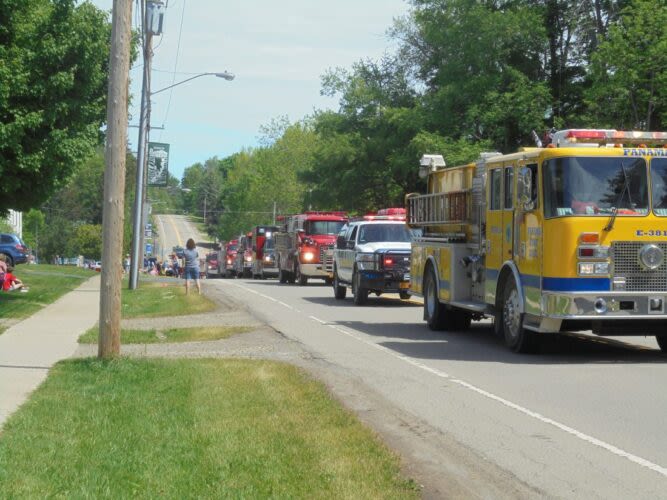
[340,242]
[350,245]
[525,189]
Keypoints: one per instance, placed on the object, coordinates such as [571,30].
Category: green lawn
[172,335]
[47,283]
[190,429]
[162,298]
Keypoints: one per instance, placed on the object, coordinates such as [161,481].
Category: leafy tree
[88,241]
[53,77]
[629,70]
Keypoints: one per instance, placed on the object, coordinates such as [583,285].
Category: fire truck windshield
[602,186]
[370,233]
[659,183]
[323,226]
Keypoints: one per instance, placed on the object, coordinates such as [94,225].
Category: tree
[88,241]
[53,77]
[629,70]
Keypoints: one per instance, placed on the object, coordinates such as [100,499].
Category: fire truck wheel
[517,338]
[404,295]
[662,342]
[435,313]
[360,294]
[339,291]
[301,279]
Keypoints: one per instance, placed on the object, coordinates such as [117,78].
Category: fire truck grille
[326,257]
[625,258]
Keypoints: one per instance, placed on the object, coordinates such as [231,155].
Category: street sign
[149,249]
[158,164]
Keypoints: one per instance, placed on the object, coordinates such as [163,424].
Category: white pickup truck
[372,256]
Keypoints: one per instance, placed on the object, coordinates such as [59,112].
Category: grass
[172,335]
[163,298]
[190,429]
[47,283]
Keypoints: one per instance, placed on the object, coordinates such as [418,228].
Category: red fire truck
[301,243]
[226,258]
[263,263]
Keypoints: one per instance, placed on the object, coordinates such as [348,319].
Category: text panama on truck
[567,237]
[372,255]
[263,262]
[302,242]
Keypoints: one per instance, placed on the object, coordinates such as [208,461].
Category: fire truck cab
[226,258]
[264,261]
[570,236]
[301,243]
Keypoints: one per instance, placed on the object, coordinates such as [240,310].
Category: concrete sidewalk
[29,348]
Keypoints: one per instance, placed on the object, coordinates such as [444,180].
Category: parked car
[14,249]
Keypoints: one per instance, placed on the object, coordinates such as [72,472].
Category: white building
[15,219]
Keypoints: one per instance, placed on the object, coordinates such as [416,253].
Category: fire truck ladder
[449,211]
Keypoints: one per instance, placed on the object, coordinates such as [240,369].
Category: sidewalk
[29,348]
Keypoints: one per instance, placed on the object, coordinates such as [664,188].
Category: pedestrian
[126,264]
[191,265]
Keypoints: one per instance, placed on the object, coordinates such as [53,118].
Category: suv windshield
[323,227]
[370,233]
[659,182]
[595,186]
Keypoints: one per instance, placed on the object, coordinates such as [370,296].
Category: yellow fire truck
[569,236]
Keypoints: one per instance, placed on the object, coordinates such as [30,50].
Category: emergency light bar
[387,214]
[571,137]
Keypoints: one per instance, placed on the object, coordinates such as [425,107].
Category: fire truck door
[508,213]
[494,232]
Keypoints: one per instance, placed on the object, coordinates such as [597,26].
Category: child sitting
[12,283]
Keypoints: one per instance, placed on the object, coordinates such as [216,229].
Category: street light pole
[137,254]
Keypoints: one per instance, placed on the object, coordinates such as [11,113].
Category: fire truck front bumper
[385,281]
[634,313]
[314,270]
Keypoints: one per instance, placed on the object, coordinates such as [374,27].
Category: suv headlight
[367,261]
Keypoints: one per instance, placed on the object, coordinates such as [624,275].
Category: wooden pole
[114,180]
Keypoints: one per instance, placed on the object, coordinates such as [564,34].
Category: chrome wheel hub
[511,314]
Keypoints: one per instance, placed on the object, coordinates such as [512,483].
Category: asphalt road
[175,230]
[582,419]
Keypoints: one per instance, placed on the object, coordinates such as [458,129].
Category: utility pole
[274,213]
[205,194]
[114,180]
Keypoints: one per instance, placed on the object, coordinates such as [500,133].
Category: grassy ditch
[190,428]
[47,283]
[194,334]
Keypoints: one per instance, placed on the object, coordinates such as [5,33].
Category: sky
[277,50]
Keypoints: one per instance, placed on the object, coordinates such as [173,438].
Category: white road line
[573,432]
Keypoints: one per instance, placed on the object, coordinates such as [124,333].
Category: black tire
[301,279]
[360,293]
[247,273]
[404,295]
[290,277]
[339,291]
[662,342]
[435,313]
[517,338]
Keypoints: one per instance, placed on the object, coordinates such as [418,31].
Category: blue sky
[277,49]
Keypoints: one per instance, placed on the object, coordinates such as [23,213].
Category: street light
[144,130]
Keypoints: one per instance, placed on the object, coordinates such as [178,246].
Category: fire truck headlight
[601,268]
[586,267]
[268,258]
[248,258]
[594,268]
[229,261]
[308,256]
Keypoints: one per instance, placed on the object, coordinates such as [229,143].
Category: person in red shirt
[12,283]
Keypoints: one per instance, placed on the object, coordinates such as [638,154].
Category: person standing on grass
[191,265]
